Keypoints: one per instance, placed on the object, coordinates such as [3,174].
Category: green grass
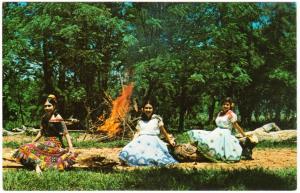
[152,179]
[11,144]
[96,144]
[273,144]
[79,144]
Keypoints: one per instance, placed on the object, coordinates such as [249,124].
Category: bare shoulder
[56,118]
[230,113]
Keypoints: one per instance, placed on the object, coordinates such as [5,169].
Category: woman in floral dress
[146,148]
[50,153]
[220,145]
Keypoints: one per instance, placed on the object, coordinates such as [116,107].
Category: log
[33,131]
[186,152]
[22,130]
[87,158]
[271,132]
[9,133]
[71,121]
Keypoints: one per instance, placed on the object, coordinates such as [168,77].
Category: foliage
[187,55]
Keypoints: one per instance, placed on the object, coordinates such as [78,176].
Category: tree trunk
[271,132]
[211,110]
[182,107]
[47,69]
[20,108]
[62,85]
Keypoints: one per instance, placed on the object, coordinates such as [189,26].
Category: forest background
[187,55]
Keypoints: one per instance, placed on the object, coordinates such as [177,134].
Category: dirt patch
[18,138]
[108,157]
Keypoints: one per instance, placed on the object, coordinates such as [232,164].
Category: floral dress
[50,153]
[147,149]
[218,145]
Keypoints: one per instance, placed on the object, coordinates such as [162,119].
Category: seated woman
[146,149]
[50,153]
[219,144]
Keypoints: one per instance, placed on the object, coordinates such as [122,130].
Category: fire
[118,113]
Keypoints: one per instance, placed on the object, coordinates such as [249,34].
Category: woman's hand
[136,135]
[172,140]
[71,150]
[172,143]
[252,138]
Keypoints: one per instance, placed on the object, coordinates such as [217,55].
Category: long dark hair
[151,102]
[46,117]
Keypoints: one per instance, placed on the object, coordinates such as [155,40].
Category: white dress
[147,149]
[219,144]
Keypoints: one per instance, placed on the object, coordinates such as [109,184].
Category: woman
[220,144]
[50,153]
[146,149]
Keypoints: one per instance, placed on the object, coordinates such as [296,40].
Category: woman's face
[148,110]
[226,106]
[48,107]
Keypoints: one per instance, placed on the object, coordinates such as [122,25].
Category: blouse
[150,127]
[226,121]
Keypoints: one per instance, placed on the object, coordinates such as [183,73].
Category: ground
[270,158]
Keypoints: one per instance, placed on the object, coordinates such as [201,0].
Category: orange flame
[119,111]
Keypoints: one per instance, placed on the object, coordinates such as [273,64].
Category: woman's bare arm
[67,136]
[239,129]
[169,138]
[37,137]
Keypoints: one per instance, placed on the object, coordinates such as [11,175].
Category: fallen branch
[271,132]
[9,133]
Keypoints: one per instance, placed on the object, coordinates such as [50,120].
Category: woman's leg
[38,169]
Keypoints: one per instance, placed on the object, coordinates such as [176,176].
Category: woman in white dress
[146,148]
[220,145]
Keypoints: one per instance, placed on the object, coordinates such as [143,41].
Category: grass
[96,144]
[11,144]
[274,144]
[152,179]
[79,144]
[180,138]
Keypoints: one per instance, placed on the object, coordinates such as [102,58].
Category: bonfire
[120,107]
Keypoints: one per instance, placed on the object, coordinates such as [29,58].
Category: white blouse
[226,121]
[150,127]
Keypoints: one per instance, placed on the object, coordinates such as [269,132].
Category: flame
[120,107]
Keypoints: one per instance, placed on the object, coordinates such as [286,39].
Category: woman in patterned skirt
[146,148]
[220,145]
[51,152]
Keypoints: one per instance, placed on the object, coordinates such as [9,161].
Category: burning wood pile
[119,123]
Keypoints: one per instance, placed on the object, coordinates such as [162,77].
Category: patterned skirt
[48,154]
[146,150]
[217,145]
